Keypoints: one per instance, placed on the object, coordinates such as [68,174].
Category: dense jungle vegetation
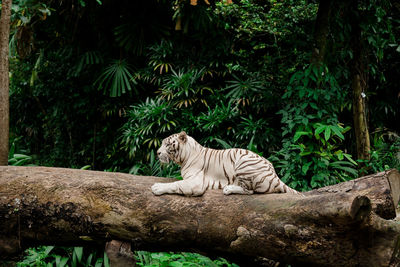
[98,84]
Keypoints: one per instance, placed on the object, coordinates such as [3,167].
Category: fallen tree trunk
[343,225]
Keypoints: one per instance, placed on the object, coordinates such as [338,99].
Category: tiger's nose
[158,153]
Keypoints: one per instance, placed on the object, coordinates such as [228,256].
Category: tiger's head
[172,147]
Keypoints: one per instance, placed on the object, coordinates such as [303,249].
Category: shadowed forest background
[311,85]
[102,83]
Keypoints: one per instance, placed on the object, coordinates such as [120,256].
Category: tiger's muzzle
[163,156]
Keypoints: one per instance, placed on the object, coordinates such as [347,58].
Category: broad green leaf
[320,129]
[106,260]
[61,261]
[175,264]
[299,134]
[78,251]
[337,131]
[305,153]
[48,249]
[305,167]
[347,169]
[327,133]
[347,156]
[12,151]
[86,167]
[224,144]
[99,262]
[89,259]
[313,105]
[339,154]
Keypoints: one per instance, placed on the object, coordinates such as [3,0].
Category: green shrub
[164,259]
[49,256]
[385,153]
[313,153]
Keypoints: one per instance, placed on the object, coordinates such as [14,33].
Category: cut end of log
[360,208]
[394,182]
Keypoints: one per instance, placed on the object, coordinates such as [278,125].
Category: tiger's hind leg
[236,189]
[244,187]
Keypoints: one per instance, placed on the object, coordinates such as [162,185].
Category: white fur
[237,171]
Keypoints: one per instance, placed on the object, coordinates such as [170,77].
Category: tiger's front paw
[228,189]
[158,189]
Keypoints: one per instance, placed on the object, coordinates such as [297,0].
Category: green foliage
[255,18]
[147,122]
[116,78]
[245,91]
[83,2]
[314,155]
[235,75]
[221,114]
[153,167]
[151,121]
[37,257]
[311,155]
[385,153]
[52,113]
[220,78]
[273,35]
[160,55]
[18,159]
[49,256]
[184,88]
[87,59]
[149,259]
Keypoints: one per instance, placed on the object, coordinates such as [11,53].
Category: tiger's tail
[289,190]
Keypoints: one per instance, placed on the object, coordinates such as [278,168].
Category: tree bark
[4,80]
[344,225]
[321,31]
[359,85]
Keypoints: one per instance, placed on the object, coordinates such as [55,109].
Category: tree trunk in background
[359,85]
[4,80]
[349,224]
[321,31]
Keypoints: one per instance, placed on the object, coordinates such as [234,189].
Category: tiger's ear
[182,137]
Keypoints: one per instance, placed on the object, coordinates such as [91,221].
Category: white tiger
[237,171]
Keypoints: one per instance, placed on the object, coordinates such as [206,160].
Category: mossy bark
[321,31]
[335,227]
[359,84]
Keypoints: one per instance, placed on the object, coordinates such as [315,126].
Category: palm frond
[88,58]
[117,79]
